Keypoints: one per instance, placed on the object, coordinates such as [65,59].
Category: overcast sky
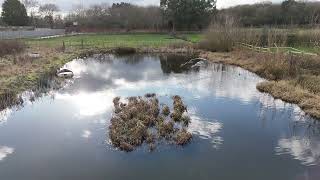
[67,5]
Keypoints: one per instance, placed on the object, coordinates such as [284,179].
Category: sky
[68,5]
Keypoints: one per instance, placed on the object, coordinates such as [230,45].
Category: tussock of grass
[139,121]
[166,110]
[183,137]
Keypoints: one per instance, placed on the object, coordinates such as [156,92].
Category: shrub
[125,50]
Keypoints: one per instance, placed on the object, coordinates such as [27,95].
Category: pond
[238,132]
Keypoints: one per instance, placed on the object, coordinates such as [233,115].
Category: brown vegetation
[11,47]
[224,37]
[140,120]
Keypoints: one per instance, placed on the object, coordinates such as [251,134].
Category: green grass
[315,49]
[195,38]
[112,40]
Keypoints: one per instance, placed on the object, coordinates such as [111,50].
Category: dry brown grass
[224,37]
[11,47]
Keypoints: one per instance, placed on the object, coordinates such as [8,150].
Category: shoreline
[31,75]
[284,89]
[279,89]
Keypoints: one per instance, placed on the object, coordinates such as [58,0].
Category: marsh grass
[139,120]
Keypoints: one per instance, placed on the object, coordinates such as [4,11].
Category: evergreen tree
[14,13]
[187,14]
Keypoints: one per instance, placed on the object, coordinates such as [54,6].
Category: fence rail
[37,33]
[275,49]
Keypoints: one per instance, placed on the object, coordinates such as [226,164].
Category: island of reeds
[143,120]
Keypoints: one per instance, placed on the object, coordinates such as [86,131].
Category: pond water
[238,133]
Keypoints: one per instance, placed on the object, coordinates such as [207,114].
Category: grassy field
[113,40]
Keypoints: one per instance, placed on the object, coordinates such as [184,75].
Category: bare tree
[48,9]
[31,5]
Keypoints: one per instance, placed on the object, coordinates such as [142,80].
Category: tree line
[170,14]
[289,12]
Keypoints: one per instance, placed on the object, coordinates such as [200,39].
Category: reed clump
[139,120]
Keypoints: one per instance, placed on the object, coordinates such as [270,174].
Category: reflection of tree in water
[171,63]
[131,59]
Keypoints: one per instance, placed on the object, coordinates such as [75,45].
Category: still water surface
[239,133]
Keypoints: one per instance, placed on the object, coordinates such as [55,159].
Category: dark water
[239,133]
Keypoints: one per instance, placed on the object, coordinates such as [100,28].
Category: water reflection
[86,134]
[5,151]
[4,115]
[303,143]
[233,124]
[206,130]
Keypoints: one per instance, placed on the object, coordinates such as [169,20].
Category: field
[114,40]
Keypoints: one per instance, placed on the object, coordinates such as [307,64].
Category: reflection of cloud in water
[86,134]
[218,80]
[276,108]
[90,104]
[205,129]
[5,151]
[303,149]
[4,115]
